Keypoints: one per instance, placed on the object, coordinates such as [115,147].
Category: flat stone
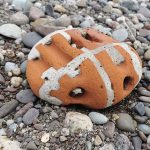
[144,32]
[125,122]
[19,19]
[97,141]
[130,4]
[35,13]
[144,99]
[10,30]
[144,128]
[139,108]
[30,39]
[120,35]
[147,111]
[23,110]
[147,55]
[81,3]
[144,11]
[26,96]
[98,118]
[8,107]
[121,142]
[140,119]
[137,142]
[109,129]
[30,116]
[77,122]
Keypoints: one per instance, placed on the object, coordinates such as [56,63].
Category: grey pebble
[2,79]
[31,146]
[144,128]
[26,96]
[144,99]
[139,108]
[140,119]
[147,111]
[8,107]
[30,116]
[137,142]
[23,66]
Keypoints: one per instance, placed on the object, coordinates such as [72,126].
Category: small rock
[85,24]
[25,96]
[137,142]
[2,79]
[98,118]
[77,122]
[125,122]
[10,67]
[19,19]
[141,119]
[59,8]
[2,132]
[30,116]
[81,3]
[144,32]
[120,35]
[63,138]
[11,31]
[9,122]
[147,111]
[130,4]
[144,11]
[88,145]
[147,55]
[23,66]
[49,10]
[23,110]
[7,144]
[8,107]
[39,127]
[109,129]
[107,147]
[22,5]
[16,81]
[139,108]
[147,75]
[45,137]
[142,136]
[144,99]
[121,142]
[30,39]
[36,13]
[65,132]
[63,21]
[144,128]
[97,141]
[31,146]
[54,114]
[148,142]
[2,97]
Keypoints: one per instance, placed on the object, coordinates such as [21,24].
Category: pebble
[49,10]
[2,132]
[120,35]
[144,99]
[130,4]
[97,141]
[59,8]
[144,11]
[142,136]
[23,110]
[16,81]
[30,116]
[22,5]
[140,119]
[63,138]
[10,30]
[139,108]
[10,67]
[108,146]
[148,142]
[8,107]
[121,142]
[144,128]
[147,75]
[77,122]
[54,115]
[2,79]
[88,145]
[26,96]
[7,144]
[63,21]
[109,129]
[137,142]
[85,24]
[145,92]
[147,55]
[35,13]
[23,66]
[19,19]
[31,146]
[147,111]
[39,127]
[45,137]
[144,32]
[125,122]
[30,39]
[9,122]
[2,97]
[81,3]
[98,118]
[65,132]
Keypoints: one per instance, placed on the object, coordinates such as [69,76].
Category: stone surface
[30,116]
[144,128]
[144,99]
[25,96]
[2,79]
[139,108]
[19,19]
[125,122]
[16,81]
[78,122]
[31,145]
[130,4]
[120,35]
[97,141]
[137,142]
[147,111]
[109,129]
[36,13]
[11,31]
[30,39]
[144,11]
[98,118]
[8,108]
[7,144]
[147,55]
[45,137]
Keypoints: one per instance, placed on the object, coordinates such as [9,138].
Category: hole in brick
[127,82]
